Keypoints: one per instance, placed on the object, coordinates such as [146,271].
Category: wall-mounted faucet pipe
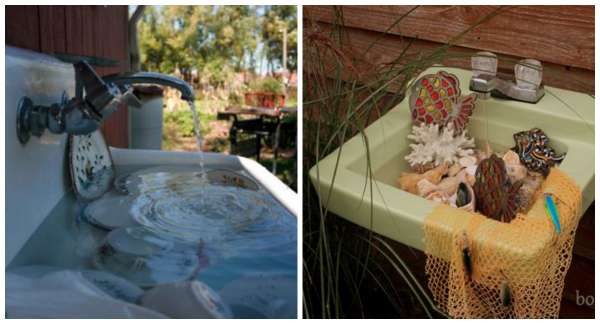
[95,99]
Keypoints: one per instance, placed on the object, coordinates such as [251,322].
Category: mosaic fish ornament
[436,98]
[495,196]
[534,151]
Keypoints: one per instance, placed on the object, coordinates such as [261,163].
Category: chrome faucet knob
[528,74]
[484,64]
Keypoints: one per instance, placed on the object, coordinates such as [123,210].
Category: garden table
[256,125]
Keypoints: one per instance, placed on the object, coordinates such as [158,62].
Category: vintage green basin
[567,117]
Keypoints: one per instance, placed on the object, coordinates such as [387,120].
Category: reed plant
[351,272]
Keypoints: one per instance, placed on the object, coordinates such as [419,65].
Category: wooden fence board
[23,27]
[53,18]
[388,47]
[80,30]
[526,31]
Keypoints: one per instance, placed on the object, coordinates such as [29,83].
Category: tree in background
[215,41]
[275,19]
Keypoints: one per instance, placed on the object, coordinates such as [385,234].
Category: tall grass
[344,92]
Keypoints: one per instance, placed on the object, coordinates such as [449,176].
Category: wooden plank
[52,29]
[387,48]
[80,30]
[545,33]
[73,29]
[22,27]
[110,41]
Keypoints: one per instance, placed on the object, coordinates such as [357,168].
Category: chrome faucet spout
[95,99]
[124,79]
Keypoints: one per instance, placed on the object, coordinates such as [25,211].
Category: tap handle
[98,94]
[528,74]
[484,64]
[131,99]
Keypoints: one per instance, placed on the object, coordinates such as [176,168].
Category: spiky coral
[435,145]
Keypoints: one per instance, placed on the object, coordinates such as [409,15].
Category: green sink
[567,117]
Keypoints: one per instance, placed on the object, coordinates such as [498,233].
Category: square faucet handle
[528,74]
[484,64]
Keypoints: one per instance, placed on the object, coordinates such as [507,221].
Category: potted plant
[266,92]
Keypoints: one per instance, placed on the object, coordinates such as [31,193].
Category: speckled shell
[535,152]
[91,167]
[495,196]
[435,98]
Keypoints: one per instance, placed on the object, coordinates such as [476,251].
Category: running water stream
[196,120]
[198,134]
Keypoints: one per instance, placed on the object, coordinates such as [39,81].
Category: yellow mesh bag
[525,258]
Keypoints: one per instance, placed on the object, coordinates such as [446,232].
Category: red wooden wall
[83,30]
[562,37]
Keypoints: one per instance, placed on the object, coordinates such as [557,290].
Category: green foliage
[275,19]
[217,41]
[267,84]
[235,98]
[182,120]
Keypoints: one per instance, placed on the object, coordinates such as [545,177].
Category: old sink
[566,116]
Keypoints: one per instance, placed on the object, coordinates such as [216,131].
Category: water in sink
[249,239]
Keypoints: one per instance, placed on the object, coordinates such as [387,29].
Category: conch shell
[464,192]
[511,157]
[454,169]
[515,170]
[468,175]
[438,196]
[448,185]
[425,187]
[530,185]
[467,161]
[408,181]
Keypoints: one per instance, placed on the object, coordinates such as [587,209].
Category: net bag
[513,270]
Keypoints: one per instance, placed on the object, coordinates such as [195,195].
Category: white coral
[438,145]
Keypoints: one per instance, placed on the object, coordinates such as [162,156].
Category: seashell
[531,184]
[511,157]
[423,167]
[471,170]
[454,169]
[425,187]
[408,181]
[495,196]
[438,196]
[470,179]
[464,198]
[533,149]
[516,172]
[186,299]
[468,161]
[449,185]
